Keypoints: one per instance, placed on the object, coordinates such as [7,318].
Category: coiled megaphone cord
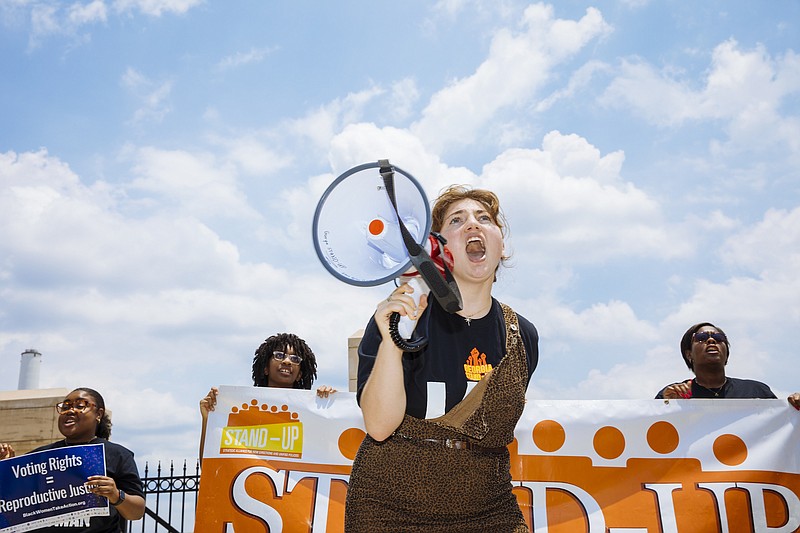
[405,345]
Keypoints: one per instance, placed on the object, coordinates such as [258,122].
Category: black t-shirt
[733,388]
[121,467]
[458,353]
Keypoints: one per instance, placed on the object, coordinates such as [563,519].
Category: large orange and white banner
[279,460]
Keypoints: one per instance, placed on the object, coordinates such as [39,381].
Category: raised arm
[206,404]
[383,398]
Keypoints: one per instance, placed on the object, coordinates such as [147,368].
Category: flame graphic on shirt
[476,367]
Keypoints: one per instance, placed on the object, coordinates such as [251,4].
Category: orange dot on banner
[663,437]
[549,435]
[376,226]
[730,450]
[349,441]
[609,442]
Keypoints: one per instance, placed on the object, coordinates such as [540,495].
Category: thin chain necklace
[468,318]
[715,390]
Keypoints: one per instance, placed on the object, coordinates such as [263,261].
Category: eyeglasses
[703,336]
[77,406]
[293,358]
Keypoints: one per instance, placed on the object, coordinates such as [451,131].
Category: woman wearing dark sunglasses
[284,361]
[82,419]
[705,350]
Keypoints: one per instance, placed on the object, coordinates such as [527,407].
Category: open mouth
[476,250]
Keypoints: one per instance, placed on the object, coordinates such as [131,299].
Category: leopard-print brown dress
[409,484]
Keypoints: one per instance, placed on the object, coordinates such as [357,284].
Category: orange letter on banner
[593,512]
[254,507]
[321,497]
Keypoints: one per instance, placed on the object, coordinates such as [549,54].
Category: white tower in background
[29,368]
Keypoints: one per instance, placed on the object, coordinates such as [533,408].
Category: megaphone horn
[371,227]
[445,291]
[356,233]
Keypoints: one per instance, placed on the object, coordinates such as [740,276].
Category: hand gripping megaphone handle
[406,325]
[401,328]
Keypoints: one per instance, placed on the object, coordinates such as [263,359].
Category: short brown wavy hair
[456,193]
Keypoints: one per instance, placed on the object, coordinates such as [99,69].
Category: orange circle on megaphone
[376,226]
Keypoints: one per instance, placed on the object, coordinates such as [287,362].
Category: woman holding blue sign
[83,420]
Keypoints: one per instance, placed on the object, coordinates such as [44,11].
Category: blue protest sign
[47,488]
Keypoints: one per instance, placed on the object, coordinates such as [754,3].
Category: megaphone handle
[406,325]
[401,328]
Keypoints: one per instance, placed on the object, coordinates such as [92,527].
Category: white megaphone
[371,226]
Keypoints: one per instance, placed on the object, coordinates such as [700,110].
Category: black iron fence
[170,500]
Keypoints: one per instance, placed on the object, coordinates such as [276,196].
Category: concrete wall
[28,418]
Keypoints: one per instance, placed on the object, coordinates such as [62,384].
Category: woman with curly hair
[284,361]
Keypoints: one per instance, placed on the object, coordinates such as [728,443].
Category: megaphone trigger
[439,252]
[401,327]
[406,324]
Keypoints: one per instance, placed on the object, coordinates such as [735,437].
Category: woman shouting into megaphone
[439,420]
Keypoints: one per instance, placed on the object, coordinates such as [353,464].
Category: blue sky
[160,162]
